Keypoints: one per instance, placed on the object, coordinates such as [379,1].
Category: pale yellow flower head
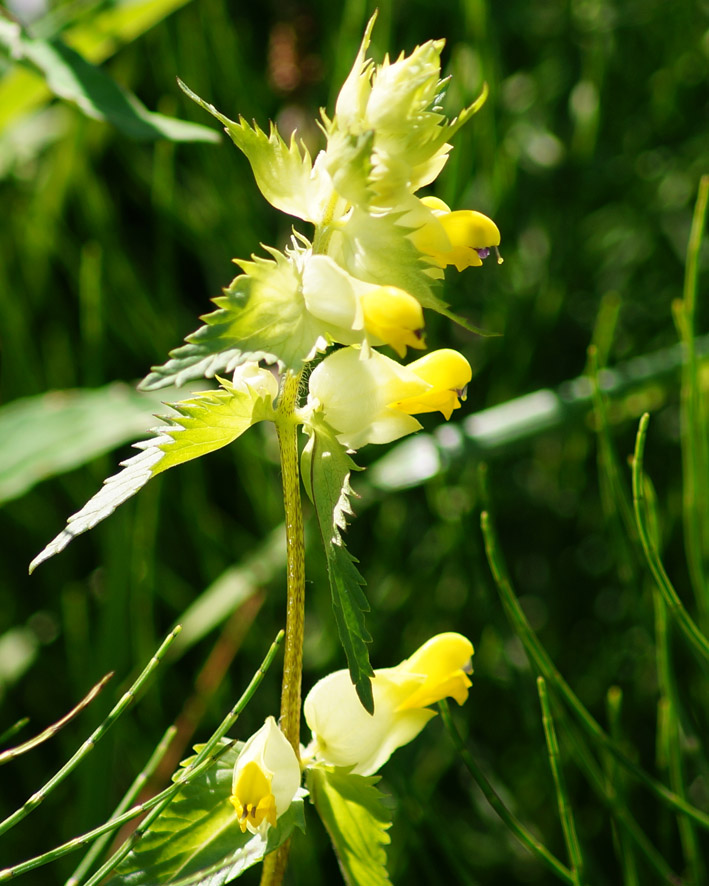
[266,779]
[344,734]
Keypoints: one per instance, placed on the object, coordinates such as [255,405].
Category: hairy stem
[275,864]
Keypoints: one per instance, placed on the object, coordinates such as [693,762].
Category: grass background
[588,156]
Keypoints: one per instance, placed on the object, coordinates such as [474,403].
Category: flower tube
[344,734]
[266,779]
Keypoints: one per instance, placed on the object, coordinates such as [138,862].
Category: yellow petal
[448,373]
[252,798]
[465,230]
[393,317]
[442,660]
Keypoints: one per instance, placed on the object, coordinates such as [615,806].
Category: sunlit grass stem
[566,816]
[693,418]
[548,670]
[93,739]
[203,760]
[129,797]
[523,834]
[697,640]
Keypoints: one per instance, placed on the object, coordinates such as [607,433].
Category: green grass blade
[204,759]
[93,739]
[547,669]
[46,734]
[205,756]
[693,419]
[686,624]
[139,782]
[566,816]
[669,737]
[523,834]
[615,783]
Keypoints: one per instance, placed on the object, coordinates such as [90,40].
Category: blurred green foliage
[587,155]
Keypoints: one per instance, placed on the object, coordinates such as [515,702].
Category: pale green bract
[204,423]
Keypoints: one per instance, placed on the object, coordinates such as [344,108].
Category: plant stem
[274,865]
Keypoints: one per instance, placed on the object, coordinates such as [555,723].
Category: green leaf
[72,78]
[51,433]
[284,172]
[326,471]
[197,839]
[261,316]
[356,818]
[204,423]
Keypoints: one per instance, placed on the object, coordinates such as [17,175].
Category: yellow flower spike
[448,373]
[252,798]
[393,317]
[468,236]
[444,660]
[344,734]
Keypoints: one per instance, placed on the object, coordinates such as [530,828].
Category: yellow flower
[344,734]
[448,374]
[393,317]
[266,779]
[369,398]
[462,238]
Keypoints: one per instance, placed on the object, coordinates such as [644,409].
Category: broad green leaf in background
[23,89]
[197,839]
[206,422]
[357,819]
[326,474]
[261,315]
[54,432]
[72,78]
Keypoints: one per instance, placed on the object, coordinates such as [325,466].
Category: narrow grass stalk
[523,834]
[615,783]
[129,797]
[693,419]
[616,805]
[669,739]
[547,669]
[275,863]
[93,739]
[46,734]
[204,759]
[566,816]
[694,635]
[614,495]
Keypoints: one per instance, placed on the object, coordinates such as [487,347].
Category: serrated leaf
[197,839]
[262,315]
[72,78]
[284,172]
[356,818]
[204,423]
[326,468]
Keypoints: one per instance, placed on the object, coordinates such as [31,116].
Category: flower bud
[393,317]
[344,734]
[266,779]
